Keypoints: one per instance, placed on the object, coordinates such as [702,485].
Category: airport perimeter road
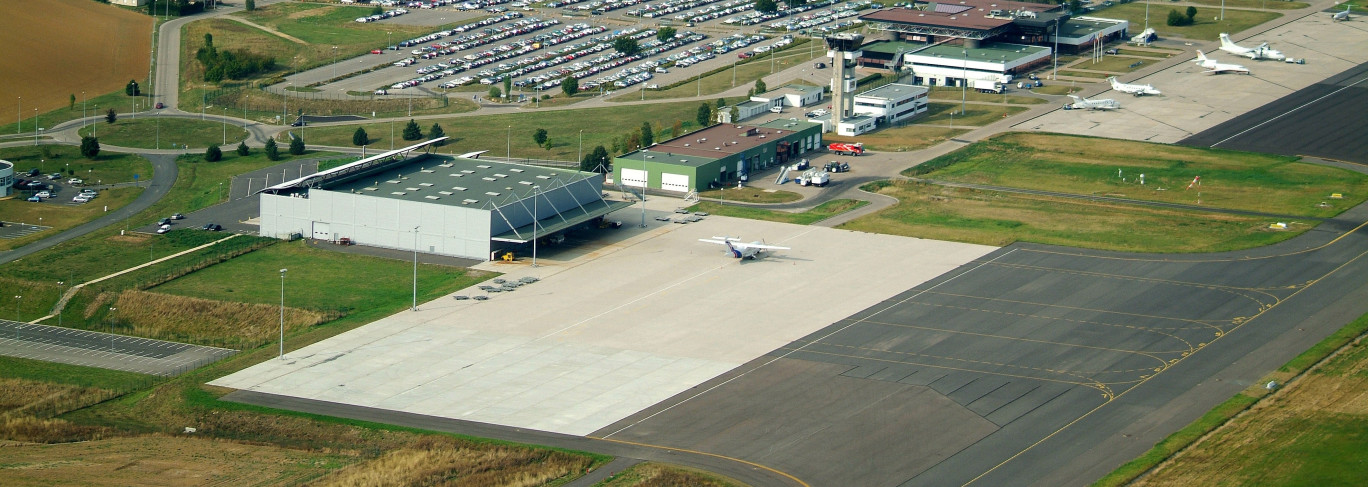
[1316,121]
[163,176]
[103,350]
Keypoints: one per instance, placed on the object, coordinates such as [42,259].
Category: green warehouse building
[716,156]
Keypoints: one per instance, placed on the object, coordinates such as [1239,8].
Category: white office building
[892,103]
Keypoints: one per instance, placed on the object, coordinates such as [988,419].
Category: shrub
[242,149]
[272,151]
[213,153]
[297,146]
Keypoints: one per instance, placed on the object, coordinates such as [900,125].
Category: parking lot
[103,350]
[537,49]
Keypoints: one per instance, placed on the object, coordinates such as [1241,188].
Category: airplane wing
[761,246]
[736,243]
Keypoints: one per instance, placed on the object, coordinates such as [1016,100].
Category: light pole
[645,178]
[83,109]
[415,268]
[225,125]
[282,314]
[508,145]
[534,225]
[334,61]
[285,102]
[581,144]
[1054,71]
[60,285]
[964,81]
[391,134]
[1146,15]
[94,124]
[35,127]
[17,298]
[204,100]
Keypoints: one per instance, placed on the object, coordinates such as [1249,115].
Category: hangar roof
[704,146]
[455,181]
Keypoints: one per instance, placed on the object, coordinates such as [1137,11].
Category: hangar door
[633,177]
[321,231]
[674,182]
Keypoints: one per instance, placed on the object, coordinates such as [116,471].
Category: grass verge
[651,474]
[151,132]
[750,195]
[944,93]
[1087,166]
[106,168]
[59,214]
[974,115]
[997,218]
[1203,29]
[1288,442]
[816,214]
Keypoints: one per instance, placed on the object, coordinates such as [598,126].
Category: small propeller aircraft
[741,250]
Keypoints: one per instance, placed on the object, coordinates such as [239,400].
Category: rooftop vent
[431,197]
[543,176]
[413,189]
[445,193]
[398,193]
[491,193]
[372,188]
[458,188]
[469,201]
[487,178]
[467,171]
[482,166]
[393,181]
[516,170]
[457,174]
[497,175]
[529,183]
[425,184]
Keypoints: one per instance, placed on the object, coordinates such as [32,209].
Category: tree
[677,129]
[494,92]
[436,132]
[213,153]
[272,152]
[539,136]
[111,116]
[665,34]
[596,160]
[208,40]
[242,149]
[735,115]
[250,5]
[626,45]
[549,144]
[412,131]
[631,142]
[760,86]
[508,86]
[704,115]
[721,102]
[360,137]
[297,146]
[1075,5]
[377,10]
[71,102]
[90,147]
[1176,19]
[570,86]
[131,89]
[766,6]
[1191,14]
[647,135]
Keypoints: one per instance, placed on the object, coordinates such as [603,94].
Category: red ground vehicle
[843,149]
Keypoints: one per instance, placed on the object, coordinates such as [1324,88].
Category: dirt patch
[159,460]
[133,238]
[64,47]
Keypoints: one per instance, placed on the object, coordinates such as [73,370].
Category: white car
[776,109]
[164,229]
[75,181]
[44,194]
[80,198]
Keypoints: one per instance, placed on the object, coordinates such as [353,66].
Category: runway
[103,350]
[1322,120]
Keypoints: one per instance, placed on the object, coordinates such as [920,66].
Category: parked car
[160,105]
[177,216]
[212,227]
[54,176]
[300,122]
[164,229]
[376,51]
[43,194]
[35,198]
[80,198]
[164,221]
[75,181]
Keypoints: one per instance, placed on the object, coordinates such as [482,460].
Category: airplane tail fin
[1076,99]
[1225,40]
[735,253]
[1201,58]
[1113,82]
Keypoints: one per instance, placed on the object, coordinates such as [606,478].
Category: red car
[160,105]
[375,51]
[744,55]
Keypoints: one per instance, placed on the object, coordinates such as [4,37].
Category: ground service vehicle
[844,149]
[987,86]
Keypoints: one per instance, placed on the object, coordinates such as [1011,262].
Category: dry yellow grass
[204,321]
[55,48]
[661,475]
[440,461]
[29,429]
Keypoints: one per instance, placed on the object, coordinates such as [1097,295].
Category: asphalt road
[1322,120]
[1035,365]
[103,350]
[163,177]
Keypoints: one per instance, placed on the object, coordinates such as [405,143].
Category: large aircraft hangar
[458,206]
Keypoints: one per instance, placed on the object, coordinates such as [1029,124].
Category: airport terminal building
[455,206]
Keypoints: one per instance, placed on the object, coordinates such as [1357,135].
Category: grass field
[149,132]
[110,167]
[816,214]
[994,218]
[1298,437]
[1082,165]
[650,474]
[1113,63]
[1256,4]
[1204,29]
[63,47]
[1059,88]
[59,215]
[749,195]
[744,73]
[96,105]
[974,115]
[1082,74]
[600,126]
[902,138]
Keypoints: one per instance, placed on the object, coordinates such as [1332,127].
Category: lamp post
[35,126]
[581,145]
[534,225]
[1054,71]
[83,109]
[94,124]
[645,178]
[225,125]
[60,285]
[508,145]
[334,61]
[204,100]
[1146,15]
[285,102]
[391,134]
[17,298]
[964,81]
[282,314]
[415,268]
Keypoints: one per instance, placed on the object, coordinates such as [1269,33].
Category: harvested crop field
[57,48]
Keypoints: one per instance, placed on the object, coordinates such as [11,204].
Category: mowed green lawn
[950,93]
[320,279]
[995,218]
[58,214]
[1204,29]
[333,25]
[943,113]
[166,132]
[109,167]
[492,132]
[1083,165]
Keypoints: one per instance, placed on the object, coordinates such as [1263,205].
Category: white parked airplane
[1084,103]
[1130,89]
[1262,51]
[1215,67]
[741,250]
[1341,15]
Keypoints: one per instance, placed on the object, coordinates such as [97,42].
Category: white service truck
[987,86]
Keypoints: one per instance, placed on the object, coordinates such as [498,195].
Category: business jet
[1262,51]
[1086,104]
[1341,15]
[1132,89]
[741,250]
[1214,67]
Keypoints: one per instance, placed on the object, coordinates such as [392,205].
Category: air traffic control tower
[843,49]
